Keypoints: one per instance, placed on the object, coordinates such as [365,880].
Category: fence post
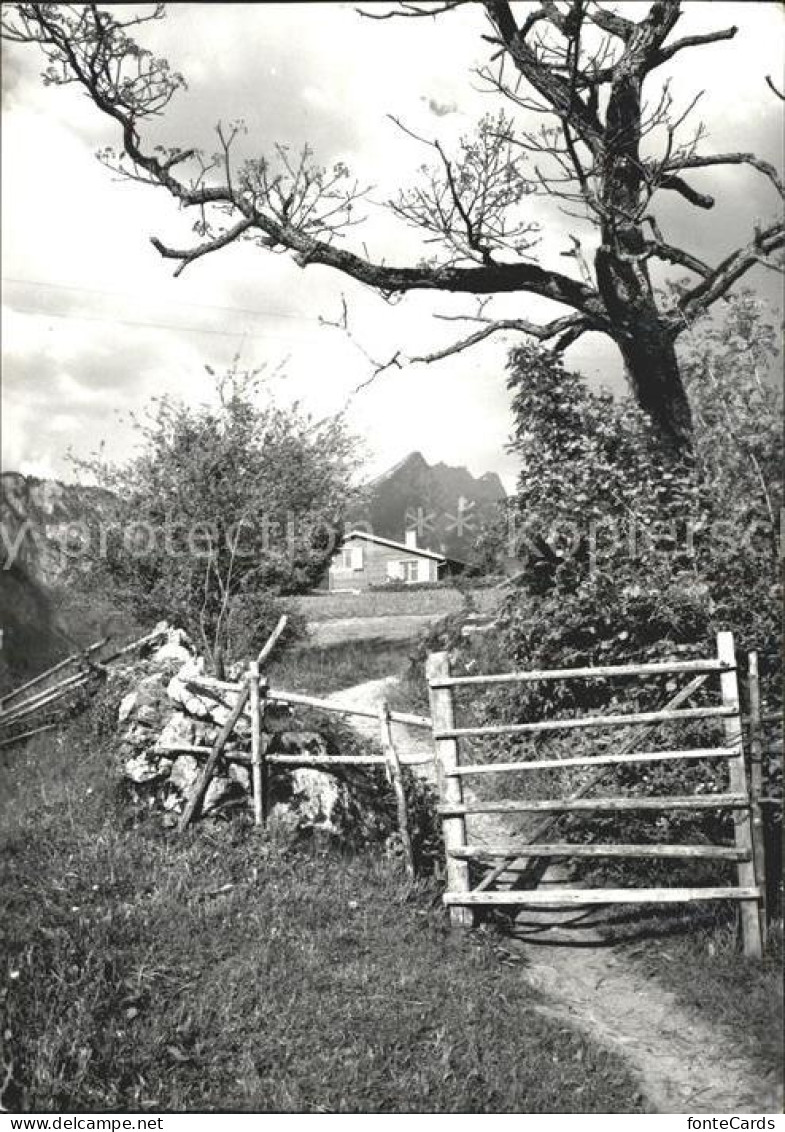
[748,909]
[396,780]
[257,698]
[450,788]
[756,786]
[200,789]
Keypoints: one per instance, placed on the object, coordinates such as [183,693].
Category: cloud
[440,109]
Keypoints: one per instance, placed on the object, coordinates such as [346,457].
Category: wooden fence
[254,695]
[43,699]
[745,852]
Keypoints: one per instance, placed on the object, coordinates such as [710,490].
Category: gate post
[748,909]
[450,786]
[756,787]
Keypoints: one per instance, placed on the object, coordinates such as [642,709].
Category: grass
[326,606]
[318,671]
[222,971]
[702,965]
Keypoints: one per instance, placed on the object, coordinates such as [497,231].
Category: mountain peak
[447,505]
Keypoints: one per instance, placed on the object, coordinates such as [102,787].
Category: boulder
[170,652]
[176,647]
[146,768]
[218,791]
[127,705]
[198,704]
[149,715]
[315,802]
[185,772]
[178,731]
[241,775]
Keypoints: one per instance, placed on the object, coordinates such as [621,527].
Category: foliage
[625,558]
[622,555]
[226,508]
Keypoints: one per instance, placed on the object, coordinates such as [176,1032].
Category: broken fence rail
[278,696]
[50,695]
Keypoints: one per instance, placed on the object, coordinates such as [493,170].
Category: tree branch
[698,161]
[554,89]
[670,254]
[568,330]
[411,11]
[187,257]
[666,53]
[611,23]
[679,185]
[694,302]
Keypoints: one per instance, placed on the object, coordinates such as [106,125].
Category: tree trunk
[623,274]
[645,344]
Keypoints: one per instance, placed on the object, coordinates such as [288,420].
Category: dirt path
[683,1063]
[385,628]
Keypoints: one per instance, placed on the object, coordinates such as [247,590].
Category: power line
[151,325]
[174,302]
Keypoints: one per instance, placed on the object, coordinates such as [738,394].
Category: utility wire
[153,325]
[174,302]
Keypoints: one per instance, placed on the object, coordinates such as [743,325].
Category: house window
[410,570]
[352,558]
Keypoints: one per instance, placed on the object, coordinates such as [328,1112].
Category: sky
[94,325]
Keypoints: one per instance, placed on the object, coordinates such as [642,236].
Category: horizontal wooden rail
[292,760]
[75,658]
[42,700]
[678,716]
[606,805]
[210,684]
[327,760]
[346,709]
[228,756]
[567,849]
[597,672]
[597,760]
[27,735]
[577,896]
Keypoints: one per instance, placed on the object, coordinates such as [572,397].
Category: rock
[172,802]
[177,647]
[148,715]
[241,775]
[127,705]
[205,733]
[219,790]
[185,772]
[179,731]
[179,693]
[220,714]
[316,802]
[170,652]
[136,736]
[146,767]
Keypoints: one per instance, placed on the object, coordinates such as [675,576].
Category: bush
[227,508]
[626,556]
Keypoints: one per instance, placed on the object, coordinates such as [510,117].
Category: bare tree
[600,149]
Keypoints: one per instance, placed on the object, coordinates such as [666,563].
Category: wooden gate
[461,897]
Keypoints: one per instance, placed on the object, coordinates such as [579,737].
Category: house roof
[395,545]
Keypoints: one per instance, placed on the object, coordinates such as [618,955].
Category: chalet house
[365,560]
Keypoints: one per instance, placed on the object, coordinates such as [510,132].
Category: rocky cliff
[36,517]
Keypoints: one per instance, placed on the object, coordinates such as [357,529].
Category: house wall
[375,560]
